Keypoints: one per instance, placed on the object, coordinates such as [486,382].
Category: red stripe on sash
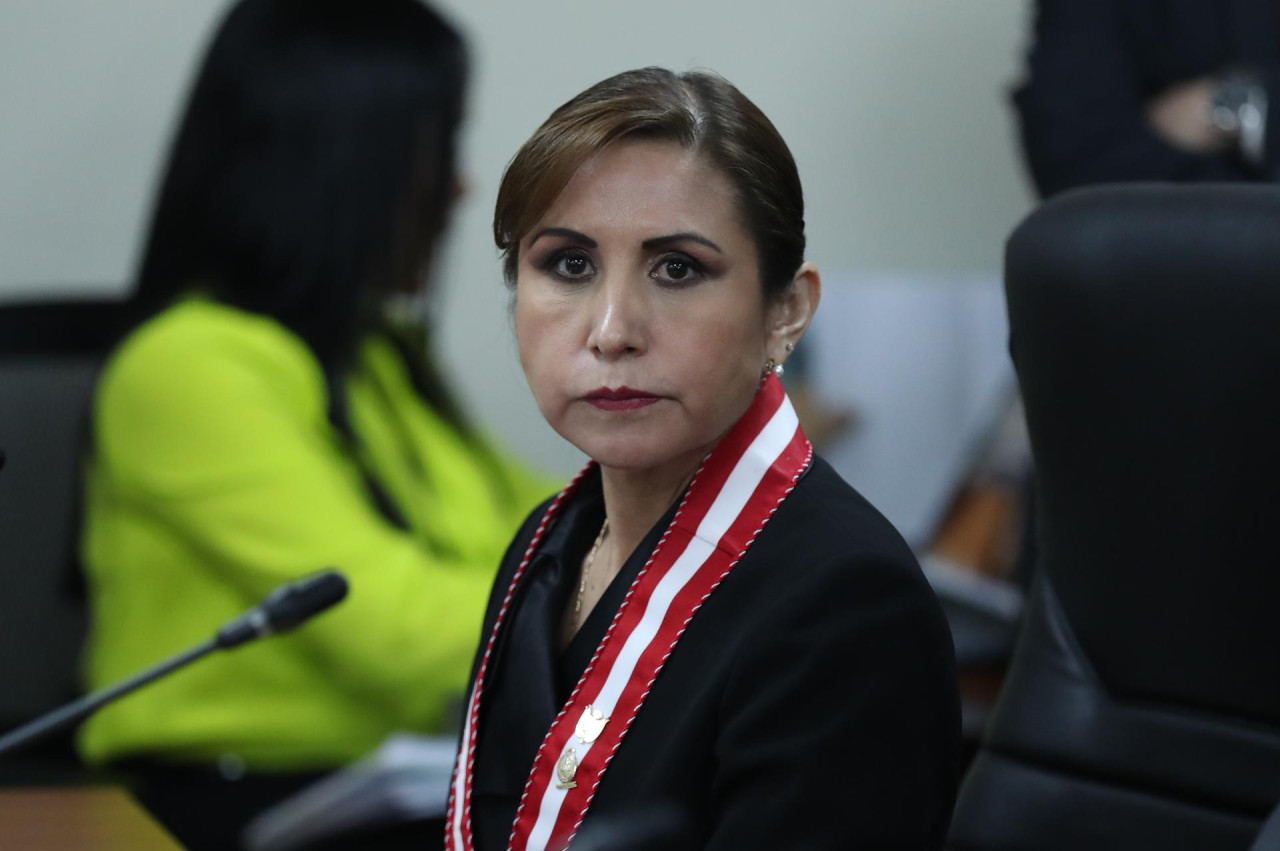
[732,546]
[458,835]
[704,487]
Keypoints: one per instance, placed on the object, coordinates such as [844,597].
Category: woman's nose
[619,321]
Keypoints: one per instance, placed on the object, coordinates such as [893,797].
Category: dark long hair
[314,166]
[311,176]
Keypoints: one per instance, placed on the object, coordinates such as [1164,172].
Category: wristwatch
[1238,110]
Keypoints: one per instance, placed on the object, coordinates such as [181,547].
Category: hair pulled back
[700,111]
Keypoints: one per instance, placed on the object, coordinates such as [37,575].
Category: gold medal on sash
[590,725]
[566,768]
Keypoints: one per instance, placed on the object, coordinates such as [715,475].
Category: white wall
[896,111]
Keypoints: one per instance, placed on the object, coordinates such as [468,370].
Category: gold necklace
[586,567]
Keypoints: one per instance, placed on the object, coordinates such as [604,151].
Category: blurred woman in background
[276,411]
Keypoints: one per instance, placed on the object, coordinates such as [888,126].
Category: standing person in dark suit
[708,640]
[1119,90]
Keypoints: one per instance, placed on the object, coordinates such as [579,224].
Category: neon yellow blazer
[214,476]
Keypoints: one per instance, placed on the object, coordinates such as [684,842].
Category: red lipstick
[620,399]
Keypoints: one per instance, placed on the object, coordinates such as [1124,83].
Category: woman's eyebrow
[567,233]
[663,241]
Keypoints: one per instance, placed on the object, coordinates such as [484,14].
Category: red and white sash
[735,492]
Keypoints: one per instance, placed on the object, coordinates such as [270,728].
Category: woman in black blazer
[708,640]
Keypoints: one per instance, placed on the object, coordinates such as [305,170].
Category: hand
[1180,116]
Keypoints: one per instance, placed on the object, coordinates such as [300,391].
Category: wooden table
[98,818]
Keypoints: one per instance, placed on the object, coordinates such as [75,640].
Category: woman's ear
[791,312]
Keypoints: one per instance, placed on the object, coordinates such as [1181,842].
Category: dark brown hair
[699,111]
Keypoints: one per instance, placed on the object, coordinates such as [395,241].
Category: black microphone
[285,608]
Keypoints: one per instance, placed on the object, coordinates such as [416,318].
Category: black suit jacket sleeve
[1082,108]
[846,725]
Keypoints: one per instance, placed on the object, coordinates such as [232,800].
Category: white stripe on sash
[461,806]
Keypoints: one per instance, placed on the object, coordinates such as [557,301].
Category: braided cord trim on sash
[458,835]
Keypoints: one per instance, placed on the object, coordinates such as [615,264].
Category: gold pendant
[566,768]
[590,725]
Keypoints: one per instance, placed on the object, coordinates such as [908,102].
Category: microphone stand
[78,710]
[284,609]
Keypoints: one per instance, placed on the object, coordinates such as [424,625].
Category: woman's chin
[627,459]
[630,455]
[660,437]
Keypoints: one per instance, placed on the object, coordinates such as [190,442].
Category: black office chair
[1142,709]
[49,357]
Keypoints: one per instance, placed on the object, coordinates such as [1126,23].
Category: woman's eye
[677,270]
[571,265]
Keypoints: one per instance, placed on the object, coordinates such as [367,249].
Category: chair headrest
[1145,324]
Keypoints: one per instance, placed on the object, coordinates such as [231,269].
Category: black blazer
[811,704]
[1094,64]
